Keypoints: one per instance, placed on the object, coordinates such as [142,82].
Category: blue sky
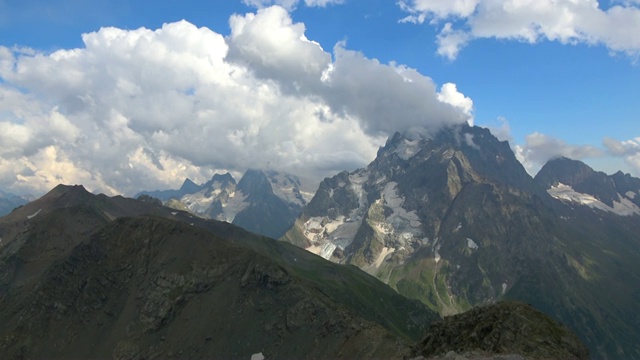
[552,77]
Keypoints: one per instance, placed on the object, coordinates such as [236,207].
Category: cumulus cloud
[272,46]
[565,21]
[142,109]
[540,148]
[449,94]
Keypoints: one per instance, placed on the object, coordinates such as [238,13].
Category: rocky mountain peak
[474,151]
[189,187]
[562,172]
[224,178]
[255,182]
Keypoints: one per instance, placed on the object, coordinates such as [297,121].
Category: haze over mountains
[10,201]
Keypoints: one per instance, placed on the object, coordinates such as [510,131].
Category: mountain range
[91,276]
[454,220]
[264,202]
[445,223]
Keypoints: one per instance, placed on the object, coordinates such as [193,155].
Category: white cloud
[622,148]
[421,9]
[449,94]
[502,130]
[271,45]
[451,41]
[629,150]
[142,109]
[565,21]
[540,148]
[322,3]
[289,4]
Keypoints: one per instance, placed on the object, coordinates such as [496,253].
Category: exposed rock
[504,328]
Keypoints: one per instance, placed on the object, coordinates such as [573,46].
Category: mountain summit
[572,181]
[454,220]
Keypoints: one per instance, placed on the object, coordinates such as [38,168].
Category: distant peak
[189,187]
[253,181]
[63,189]
[223,178]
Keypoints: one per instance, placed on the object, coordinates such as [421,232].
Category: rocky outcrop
[504,328]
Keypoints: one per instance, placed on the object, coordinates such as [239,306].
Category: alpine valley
[454,220]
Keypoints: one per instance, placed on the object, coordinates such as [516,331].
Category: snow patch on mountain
[563,192]
[198,203]
[472,244]
[631,195]
[400,217]
[287,188]
[29,217]
[233,206]
[436,249]
[357,180]
[321,231]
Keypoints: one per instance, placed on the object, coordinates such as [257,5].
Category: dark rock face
[503,328]
[267,214]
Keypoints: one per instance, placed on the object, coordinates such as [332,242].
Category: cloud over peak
[144,108]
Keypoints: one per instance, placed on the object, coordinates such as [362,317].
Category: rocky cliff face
[455,221]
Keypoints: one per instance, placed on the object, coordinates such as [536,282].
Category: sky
[123,96]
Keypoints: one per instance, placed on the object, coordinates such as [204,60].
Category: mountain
[91,276]
[9,202]
[188,187]
[454,220]
[574,182]
[264,202]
